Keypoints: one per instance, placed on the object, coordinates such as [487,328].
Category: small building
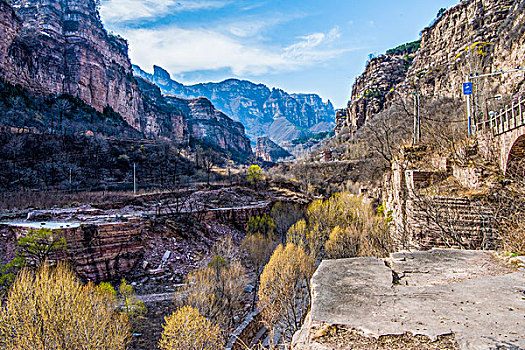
[328,157]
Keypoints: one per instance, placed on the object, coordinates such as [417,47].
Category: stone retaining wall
[424,221]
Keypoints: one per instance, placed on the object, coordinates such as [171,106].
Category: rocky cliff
[97,252]
[61,48]
[472,37]
[370,89]
[263,112]
[10,26]
[269,151]
[215,128]
[162,118]
[469,38]
[193,119]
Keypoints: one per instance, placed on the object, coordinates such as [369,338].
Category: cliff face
[322,111]
[510,43]
[190,119]
[269,151]
[258,108]
[96,252]
[215,128]
[369,92]
[472,37]
[10,26]
[467,38]
[162,118]
[62,48]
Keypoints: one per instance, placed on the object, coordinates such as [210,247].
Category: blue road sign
[467,88]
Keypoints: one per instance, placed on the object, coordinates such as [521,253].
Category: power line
[444,121]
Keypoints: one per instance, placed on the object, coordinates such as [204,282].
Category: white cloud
[248,29]
[182,50]
[308,48]
[126,10]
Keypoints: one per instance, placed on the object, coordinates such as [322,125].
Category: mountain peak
[162,76]
[256,106]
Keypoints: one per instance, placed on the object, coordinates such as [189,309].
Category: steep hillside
[193,120]
[269,151]
[51,49]
[472,37]
[61,47]
[469,38]
[264,112]
[371,88]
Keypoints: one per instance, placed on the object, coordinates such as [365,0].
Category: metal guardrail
[509,118]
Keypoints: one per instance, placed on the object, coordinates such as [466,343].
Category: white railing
[509,118]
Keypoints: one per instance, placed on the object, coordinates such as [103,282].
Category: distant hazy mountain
[272,113]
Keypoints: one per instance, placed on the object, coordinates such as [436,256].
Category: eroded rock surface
[472,37]
[465,293]
[62,48]
[97,252]
[370,89]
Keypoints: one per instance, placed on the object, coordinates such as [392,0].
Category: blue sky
[317,46]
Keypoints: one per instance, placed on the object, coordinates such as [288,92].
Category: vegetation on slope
[405,49]
[65,114]
[52,309]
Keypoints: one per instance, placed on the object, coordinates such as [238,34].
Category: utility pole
[70,179]
[135,179]
[467,91]
[417,119]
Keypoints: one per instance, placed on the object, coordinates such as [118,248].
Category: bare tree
[388,131]
[208,161]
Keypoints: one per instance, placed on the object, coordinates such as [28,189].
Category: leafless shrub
[217,291]
[467,224]
[508,203]
[388,131]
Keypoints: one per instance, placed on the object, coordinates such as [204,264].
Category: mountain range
[264,112]
[51,49]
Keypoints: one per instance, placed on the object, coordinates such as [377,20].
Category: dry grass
[47,199]
[512,236]
[341,338]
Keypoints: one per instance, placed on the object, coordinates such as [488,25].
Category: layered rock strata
[97,252]
[101,249]
[61,47]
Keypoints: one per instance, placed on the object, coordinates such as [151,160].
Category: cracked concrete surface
[466,293]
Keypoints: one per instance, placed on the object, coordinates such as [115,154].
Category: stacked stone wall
[423,221]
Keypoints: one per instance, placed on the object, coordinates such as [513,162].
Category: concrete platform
[465,293]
